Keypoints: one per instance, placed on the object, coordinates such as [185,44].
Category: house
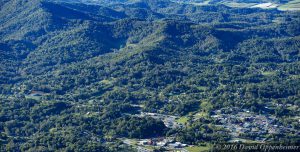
[143,142]
[184,145]
[151,142]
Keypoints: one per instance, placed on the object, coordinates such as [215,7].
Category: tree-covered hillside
[75,76]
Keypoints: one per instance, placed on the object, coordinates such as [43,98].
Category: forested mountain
[74,75]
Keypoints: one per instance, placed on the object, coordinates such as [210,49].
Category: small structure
[143,142]
[161,143]
[175,145]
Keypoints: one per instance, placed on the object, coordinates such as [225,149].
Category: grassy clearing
[244,140]
[200,115]
[182,120]
[295,76]
[201,3]
[198,148]
[290,6]
[239,5]
[33,97]
[268,73]
[107,81]
[202,88]
[206,106]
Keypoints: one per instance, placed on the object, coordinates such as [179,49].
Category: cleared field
[202,88]
[182,120]
[293,5]
[198,148]
[200,115]
[268,73]
[239,5]
[33,97]
[265,5]
[290,6]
